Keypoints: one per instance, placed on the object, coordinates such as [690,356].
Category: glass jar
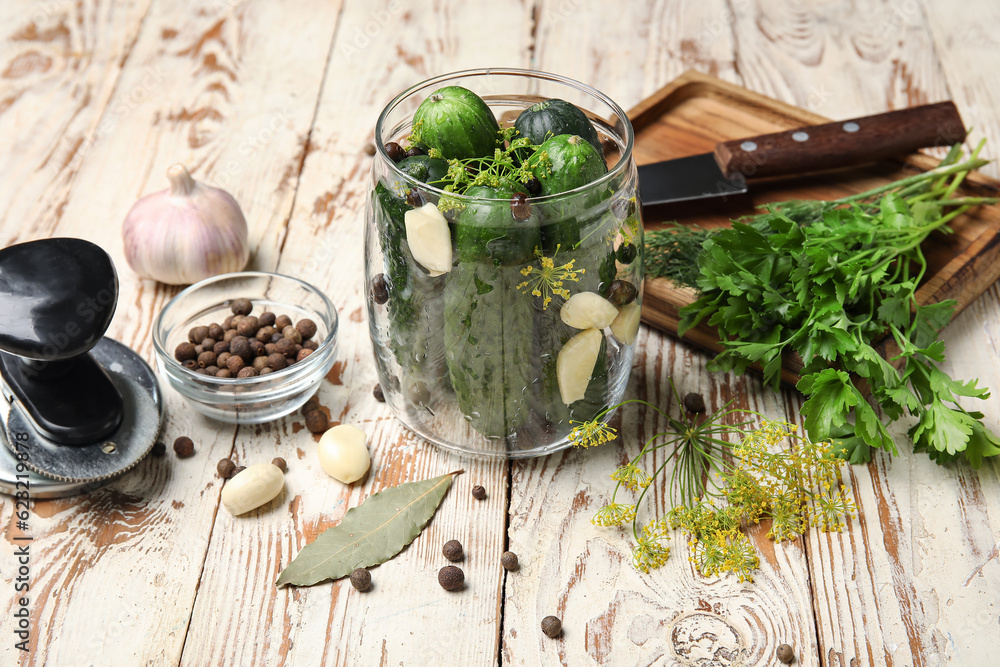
[477,356]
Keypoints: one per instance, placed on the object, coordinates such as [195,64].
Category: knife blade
[726,170]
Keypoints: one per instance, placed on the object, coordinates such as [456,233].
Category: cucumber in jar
[550,118]
[455,122]
[487,322]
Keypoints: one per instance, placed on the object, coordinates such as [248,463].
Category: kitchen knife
[808,149]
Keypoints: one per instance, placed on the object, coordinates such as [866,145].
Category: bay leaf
[369,534]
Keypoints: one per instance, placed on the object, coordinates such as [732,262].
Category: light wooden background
[276,101]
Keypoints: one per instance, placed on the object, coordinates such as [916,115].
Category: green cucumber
[485,231]
[424,168]
[456,122]
[550,118]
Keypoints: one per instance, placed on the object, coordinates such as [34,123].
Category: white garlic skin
[343,453]
[258,485]
[186,233]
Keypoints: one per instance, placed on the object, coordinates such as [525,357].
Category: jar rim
[611,175]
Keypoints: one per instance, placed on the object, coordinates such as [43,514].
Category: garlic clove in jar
[429,238]
[186,233]
[586,310]
[575,364]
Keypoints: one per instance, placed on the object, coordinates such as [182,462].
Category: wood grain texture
[406,618]
[277,102]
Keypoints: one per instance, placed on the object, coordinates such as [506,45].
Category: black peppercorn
[694,403]
[551,626]
[622,292]
[533,186]
[626,253]
[478,492]
[378,394]
[159,449]
[316,421]
[394,151]
[508,559]
[452,550]
[380,290]
[183,447]
[451,578]
[241,307]
[361,579]
[519,206]
[785,654]
[280,463]
[225,468]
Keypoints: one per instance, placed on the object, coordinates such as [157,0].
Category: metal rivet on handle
[748,146]
[800,136]
[851,127]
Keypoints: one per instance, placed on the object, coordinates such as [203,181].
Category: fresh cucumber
[456,122]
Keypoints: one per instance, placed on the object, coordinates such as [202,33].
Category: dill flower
[787,520]
[631,477]
[592,434]
[614,514]
[740,558]
[831,507]
[548,279]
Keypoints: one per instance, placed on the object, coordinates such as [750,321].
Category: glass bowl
[258,399]
[469,355]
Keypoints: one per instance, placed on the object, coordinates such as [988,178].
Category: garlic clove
[186,233]
[625,328]
[429,238]
[343,454]
[575,364]
[585,310]
[258,485]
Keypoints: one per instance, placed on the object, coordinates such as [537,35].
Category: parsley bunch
[829,280]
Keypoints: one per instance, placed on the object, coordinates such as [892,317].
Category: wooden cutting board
[695,111]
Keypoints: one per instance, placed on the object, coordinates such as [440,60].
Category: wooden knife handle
[842,144]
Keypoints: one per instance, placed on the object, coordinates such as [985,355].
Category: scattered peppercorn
[238,470]
[378,394]
[622,292]
[478,492]
[508,559]
[280,462]
[451,578]
[694,403]
[159,449]
[241,307]
[380,290]
[310,405]
[225,468]
[785,654]
[369,149]
[551,626]
[452,550]
[183,447]
[361,579]
[316,421]
[519,206]
[394,151]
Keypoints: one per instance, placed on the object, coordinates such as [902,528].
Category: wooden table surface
[276,101]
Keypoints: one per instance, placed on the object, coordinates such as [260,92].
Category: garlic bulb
[187,233]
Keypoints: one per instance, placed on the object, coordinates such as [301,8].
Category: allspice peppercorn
[238,470]
[694,403]
[508,559]
[307,328]
[183,447]
[378,393]
[280,463]
[241,307]
[361,579]
[551,626]
[785,654]
[478,492]
[451,578]
[452,550]
[184,351]
[159,449]
[225,468]
[316,421]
